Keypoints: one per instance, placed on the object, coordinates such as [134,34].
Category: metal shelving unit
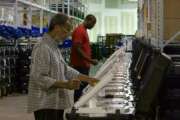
[19,5]
[151,21]
[69,7]
[76,9]
[23,21]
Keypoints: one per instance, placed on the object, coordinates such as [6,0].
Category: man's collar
[50,40]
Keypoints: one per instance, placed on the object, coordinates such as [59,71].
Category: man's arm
[82,54]
[71,74]
[75,83]
[89,80]
[71,84]
[40,68]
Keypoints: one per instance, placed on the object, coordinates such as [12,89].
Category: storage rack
[73,8]
[8,58]
[65,6]
[149,67]
[25,43]
[106,45]
[158,23]
[153,16]
[19,5]
[149,20]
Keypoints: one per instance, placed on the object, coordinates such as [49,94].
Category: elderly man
[52,81]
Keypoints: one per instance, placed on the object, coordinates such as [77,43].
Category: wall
[121,18]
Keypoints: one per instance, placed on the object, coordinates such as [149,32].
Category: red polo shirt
[80,36]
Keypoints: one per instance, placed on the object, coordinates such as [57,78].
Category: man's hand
[94,61]
[89,80]
[73,84]
[93,81]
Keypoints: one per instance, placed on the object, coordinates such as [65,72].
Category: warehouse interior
[136,44]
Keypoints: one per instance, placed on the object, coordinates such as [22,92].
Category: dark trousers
[78,93]
[49,114]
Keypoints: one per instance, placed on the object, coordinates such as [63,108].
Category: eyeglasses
[66,30]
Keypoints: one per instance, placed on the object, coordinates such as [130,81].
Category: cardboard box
[171,26]
[171,8]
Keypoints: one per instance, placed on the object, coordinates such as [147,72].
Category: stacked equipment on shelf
[105,45]
[74,8]
[8,58]
[25,36]
[169,106]
[149,71]
[99,48]
[15,57]
[111,41]
[22,68]
[111,98]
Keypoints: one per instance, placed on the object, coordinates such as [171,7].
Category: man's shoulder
[41,45]
[79,28]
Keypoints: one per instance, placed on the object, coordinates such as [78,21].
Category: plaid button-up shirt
[48,66]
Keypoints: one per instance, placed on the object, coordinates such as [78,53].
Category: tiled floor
[14,108]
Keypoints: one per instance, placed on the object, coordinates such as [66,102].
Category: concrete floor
[13,107]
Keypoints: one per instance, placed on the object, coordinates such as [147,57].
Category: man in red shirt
[81,51]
